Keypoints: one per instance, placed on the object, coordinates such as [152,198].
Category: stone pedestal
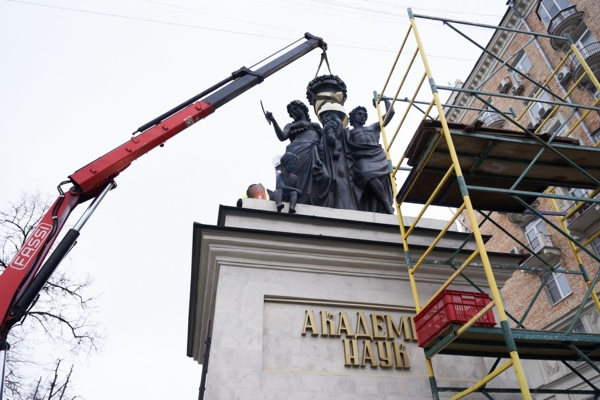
[318,305]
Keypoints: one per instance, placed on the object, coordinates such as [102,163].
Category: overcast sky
[77,77]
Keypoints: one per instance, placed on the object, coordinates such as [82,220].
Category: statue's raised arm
[389,113]
[281,135]
[299,113]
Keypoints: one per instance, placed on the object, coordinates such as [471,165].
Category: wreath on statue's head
[327,83]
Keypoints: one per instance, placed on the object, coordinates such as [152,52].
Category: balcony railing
[540,241]
[586,52]
[559,18]
[580,211]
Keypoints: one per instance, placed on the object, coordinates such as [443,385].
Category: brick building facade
[537,59]
[559,295]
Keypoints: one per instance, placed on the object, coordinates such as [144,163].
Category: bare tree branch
[61,315]
[64,386]
[37,388]
[53,384]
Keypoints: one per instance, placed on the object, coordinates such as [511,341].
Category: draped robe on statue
[314,179]
[370,162]
[329,105]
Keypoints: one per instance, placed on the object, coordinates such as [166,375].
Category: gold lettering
[377,325]
[385,355]
[327,324]
[351,356]
[344,325]
[309,323]
[368,355]
[413,328]
[401,357]
[403,329]
[362,321]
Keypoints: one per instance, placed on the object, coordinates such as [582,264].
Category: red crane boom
[27,273]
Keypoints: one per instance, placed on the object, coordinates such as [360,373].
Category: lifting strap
[323,57]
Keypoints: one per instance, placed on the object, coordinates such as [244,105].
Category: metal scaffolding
[442,152]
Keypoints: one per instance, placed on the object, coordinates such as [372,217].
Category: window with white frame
[537,235]
[557,285]
[578,328]
[594,92]
[576,192]
[596,135]
[586,39]
[549,8]
[563,205]
[596,246]
[523,65]
[537,110]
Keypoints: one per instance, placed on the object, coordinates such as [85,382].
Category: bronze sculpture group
[330,165]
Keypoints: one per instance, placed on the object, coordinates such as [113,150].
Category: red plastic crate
[451,307]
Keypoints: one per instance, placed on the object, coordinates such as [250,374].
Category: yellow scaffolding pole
[412,100]
[585,66]
[514,356]
[435,242]
[539,93]
[386,146]
[484,381]
[405,246]
[575,249]
[455,171]
[467,206]
[458,271]
[555,110]
[431,198]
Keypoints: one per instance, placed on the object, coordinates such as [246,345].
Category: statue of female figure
[371,173]
[327,94]
[306,142]
[338,160]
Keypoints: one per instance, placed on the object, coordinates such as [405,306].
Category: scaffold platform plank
[531,344]
[493,158]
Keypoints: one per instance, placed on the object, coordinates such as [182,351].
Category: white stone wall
[259,352]
[257,276]
[550,374]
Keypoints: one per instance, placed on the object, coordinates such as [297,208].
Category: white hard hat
[276,161]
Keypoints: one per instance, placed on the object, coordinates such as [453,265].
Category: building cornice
[487,63]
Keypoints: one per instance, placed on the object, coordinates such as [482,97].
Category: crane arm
[26,274]
[98,173]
